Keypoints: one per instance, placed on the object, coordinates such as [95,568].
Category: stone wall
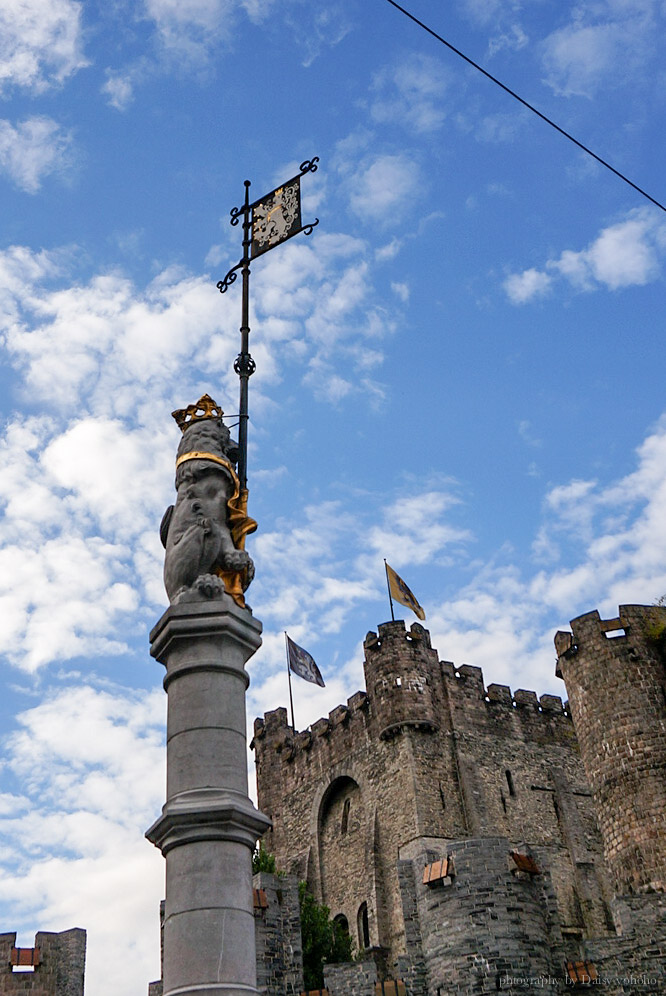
[354,979]
[486,922]
[278,935]
[61,967]
[616,682]
[633,961]
[428,751]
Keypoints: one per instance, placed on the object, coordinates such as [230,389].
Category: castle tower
[615,676]
[401,676]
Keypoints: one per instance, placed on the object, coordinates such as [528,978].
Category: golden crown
[204,408]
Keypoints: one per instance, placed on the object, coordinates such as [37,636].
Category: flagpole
[291,700]
[389,590]
[244,365]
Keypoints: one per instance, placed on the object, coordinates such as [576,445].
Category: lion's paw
[209,585]
[237,560]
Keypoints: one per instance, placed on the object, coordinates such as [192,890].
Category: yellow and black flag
[399,591]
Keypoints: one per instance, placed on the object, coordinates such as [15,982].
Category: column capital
[219,617]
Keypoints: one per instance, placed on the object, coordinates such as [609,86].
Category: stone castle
[472,840]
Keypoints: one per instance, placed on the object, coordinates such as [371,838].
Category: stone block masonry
[484,924]
[454,829]
[426,751]
[278,935]
[615,675]
[60,964]
[356,979]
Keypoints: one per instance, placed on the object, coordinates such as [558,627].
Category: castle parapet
[55,966]
[614,670]
[521,713]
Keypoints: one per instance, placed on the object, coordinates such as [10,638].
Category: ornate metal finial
[204,408]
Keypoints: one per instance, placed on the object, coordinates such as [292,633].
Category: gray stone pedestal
[209,826]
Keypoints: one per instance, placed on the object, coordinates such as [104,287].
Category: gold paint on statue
[202,455]
[204,408]
[241,525]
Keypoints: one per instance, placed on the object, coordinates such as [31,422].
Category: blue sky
[460,370]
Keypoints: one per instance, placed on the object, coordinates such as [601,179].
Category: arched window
[342,923]
[345,816]
[363,926]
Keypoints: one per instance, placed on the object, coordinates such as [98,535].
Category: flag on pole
[302,664]
[401,592]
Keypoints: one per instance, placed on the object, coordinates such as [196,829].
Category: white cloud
[82,494]
[605,44]
[502,17]
[411,93]
[383,187]
[32,150]
[626,254]
[189,26]
[484,11]
[40,43]
[258,10]
[119,88]
[525,286]
[498,128]
[598,547]
[91,768]
[514,39]
[388,251]
[526,432]
[317,26]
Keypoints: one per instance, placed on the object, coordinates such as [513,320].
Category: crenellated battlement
[408,686]
[53,967]
[428,751]
[637,629]
[275,732]
[430,762]
[472,704]
[472,681]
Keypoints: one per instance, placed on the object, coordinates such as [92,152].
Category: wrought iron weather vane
[267,223]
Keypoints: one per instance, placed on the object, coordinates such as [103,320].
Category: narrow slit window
[509,782]
[344,825]
[363,927]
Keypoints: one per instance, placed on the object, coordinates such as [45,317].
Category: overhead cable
[525,103]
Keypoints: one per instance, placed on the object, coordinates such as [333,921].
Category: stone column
[209,826]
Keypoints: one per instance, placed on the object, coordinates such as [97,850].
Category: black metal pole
[388,585]
[244,365]
[291,700]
